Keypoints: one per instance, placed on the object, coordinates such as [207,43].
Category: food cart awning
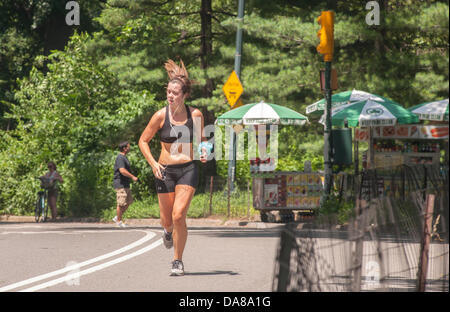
[261,114]
[370,113]
[343,98]
[435,110]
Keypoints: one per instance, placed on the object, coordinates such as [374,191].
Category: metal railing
[397,239]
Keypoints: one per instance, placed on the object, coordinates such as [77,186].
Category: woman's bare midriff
[183,155]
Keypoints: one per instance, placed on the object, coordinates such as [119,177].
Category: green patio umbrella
[436,110]
[261,114]
[370,113]
[342,98]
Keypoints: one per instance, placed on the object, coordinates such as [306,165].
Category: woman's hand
[204,149]
[204,155]
[158,170]
[58,177]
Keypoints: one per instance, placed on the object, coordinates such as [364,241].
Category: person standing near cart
[175,171]
[121,182]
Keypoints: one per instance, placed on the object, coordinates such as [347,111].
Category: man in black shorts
[121,182]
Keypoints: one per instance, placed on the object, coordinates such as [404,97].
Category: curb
[30,219]
[191,222]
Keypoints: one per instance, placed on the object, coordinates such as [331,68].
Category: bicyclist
[53,177]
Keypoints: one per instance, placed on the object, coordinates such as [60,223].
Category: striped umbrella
[436,110]
[261,114]
[370,113]
[343,98]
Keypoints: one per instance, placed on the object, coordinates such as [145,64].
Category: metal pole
[355,152]
[371,150]
[237,69]
[228,198]
[237,56]
[287,243]
[425,244]
[248,199]
[210,194]
[327,149]
[232,160]
[358,236]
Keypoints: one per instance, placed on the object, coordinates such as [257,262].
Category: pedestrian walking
[121,182]
[175,171]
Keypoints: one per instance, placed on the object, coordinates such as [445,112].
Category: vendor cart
[391,146]
[287,193]
[407,145]
[269,188]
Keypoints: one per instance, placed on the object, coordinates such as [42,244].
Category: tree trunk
[206,44]
[205,56]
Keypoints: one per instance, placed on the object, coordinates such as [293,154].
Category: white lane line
[149,235]
[102,266]
[65,232]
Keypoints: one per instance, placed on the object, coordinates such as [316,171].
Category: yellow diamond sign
[233,88]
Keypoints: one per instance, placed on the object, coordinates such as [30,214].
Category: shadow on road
[243,233]
[212,273]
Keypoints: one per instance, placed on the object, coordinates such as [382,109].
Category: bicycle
[41,208]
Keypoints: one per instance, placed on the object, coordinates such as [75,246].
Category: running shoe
[167,239]
[115,220]
[177,268]
[122,225]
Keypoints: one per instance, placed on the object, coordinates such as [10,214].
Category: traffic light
[326,35]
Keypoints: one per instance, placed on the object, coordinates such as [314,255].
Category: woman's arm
[147,135]
[198,119]
[128,174]
[58,177]
[199,134]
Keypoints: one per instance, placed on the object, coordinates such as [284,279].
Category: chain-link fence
[220,199]
[397,239]
[216,198]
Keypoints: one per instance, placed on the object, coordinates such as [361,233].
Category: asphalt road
[231,257]
[94,257]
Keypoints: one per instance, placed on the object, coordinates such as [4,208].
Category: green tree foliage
[75,115]
[104,86]
[404,58]
[29,28]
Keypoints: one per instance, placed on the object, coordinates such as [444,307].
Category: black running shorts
[172,175]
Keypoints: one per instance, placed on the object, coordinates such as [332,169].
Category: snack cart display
[391,146]
[410,145]
[287,191]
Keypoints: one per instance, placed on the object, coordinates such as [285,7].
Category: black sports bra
[182,134]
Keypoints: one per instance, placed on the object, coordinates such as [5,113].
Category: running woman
[175,171]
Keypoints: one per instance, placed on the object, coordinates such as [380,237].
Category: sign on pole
[238,103]
[233,89]
[334,81]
